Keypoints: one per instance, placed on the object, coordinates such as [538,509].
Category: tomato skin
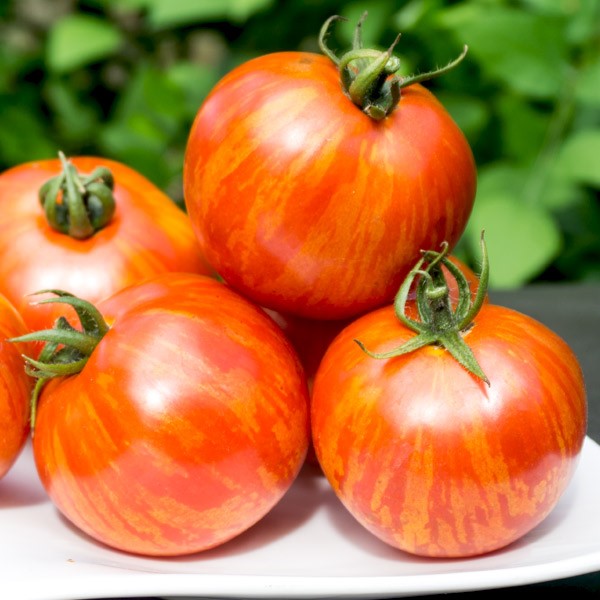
[290,187]
[429,458]
[187,424]
[15,387]
[148,235]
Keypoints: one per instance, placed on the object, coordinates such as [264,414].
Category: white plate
[307,547]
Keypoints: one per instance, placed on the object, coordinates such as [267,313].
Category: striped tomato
[308,204]
[432,458]
[15,387]
[186,424]
[88,225]
[311,337]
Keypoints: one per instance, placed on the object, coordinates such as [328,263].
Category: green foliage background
[124,79]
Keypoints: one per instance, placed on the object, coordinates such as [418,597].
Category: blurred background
[124,79]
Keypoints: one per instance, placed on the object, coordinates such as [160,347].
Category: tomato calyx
[369,77]
[66,349]
[78,205]
[439,323]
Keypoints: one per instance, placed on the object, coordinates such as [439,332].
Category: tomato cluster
[177,368]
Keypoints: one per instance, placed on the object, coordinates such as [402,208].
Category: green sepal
[66,349]
[439,323]
[370,77]
[77,205]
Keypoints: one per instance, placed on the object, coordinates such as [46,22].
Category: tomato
[309,206]
[186,425]
[15,387]
[429,457]
[147,234]
[311,337]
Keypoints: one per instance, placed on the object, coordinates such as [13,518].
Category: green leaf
[77,40]
[240,10]
[23,136]
[582,27]
[194,81]
[152,95]
[524,51]
[410,16]
[501,177]
[522,240]
[175,13]
[587,86]
[578,158]
[522,127]
[131,4]
[76,120]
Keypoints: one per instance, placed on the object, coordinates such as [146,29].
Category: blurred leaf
[413,12]
[173,13]
[583,24]
[579,158]
[130,4]
[78,40]
[194,81]
[150,93]
[561,194]
[147,128]
[14,61]
[580,257]
[240,10]
[76,120]
[140,144]
[524,51]
[22,136]
[501,177]
[587,87]
[522,240]
[522,127]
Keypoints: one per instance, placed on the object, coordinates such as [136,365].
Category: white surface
[307,547]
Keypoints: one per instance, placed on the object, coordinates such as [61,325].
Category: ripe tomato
[147,234]
[311,337]
[15,387]
[309,206]
[430,458]
[187,424]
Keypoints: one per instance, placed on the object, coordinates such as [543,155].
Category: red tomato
[306,204]
[311,337]
[15,387]
[431,459]
[148,234]
[187,424]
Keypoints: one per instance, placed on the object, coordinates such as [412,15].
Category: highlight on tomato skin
[435,460]
[15,388]
[142,234]
[187,424]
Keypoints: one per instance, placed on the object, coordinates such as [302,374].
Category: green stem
[406,81]
[370,77]
[78,206]
[66,350]
[440,323]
